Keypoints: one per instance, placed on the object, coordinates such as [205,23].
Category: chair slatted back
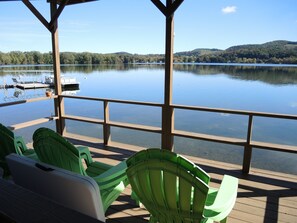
[53,149]
[169,190]
[7,143]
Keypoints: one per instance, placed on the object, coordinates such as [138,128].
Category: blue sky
[137,26]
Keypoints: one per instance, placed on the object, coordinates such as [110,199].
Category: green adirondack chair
[9,143]
[54,149]
[173,189]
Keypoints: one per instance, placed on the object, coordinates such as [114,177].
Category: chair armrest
[226,195]
[85,154]
[21,146]
[113,176]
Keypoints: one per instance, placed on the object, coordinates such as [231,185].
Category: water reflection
[257,88]
[273,74]
[268,74]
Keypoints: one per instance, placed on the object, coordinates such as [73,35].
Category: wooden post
[247,157]
[59,102]
[106,126]
[52,26]
[167,110]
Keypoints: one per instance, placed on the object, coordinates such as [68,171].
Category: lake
[263,88]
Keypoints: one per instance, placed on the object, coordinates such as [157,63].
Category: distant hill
[280,45]
[198,52]
[280,51]
[122,53]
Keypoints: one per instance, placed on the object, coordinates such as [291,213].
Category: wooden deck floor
[263,196]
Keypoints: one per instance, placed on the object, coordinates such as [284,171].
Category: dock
[6,86]
[19,82]
[25,86]
[32,86]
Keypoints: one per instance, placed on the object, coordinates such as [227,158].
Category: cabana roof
[71,2]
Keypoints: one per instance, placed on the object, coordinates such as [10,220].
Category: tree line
[276,52]
[35,57]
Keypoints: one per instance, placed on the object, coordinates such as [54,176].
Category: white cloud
[229,9]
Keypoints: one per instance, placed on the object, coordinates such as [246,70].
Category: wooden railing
[106,122]
[32,122]
[247,142]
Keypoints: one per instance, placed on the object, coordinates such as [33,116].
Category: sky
[138,27]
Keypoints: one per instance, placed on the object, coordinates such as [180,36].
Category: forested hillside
[276,52]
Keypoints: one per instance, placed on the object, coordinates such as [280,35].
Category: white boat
[65,81]
[25,83]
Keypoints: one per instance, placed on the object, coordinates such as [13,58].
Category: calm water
[254,88]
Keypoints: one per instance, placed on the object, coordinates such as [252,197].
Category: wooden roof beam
[174,6]
[170,8]
[160,6]
[36,13]
[48,25]
[57,14]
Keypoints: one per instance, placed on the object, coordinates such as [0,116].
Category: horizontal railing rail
[113,100]
[237,112]
[27,101]
[106,122]
[32,122]
[246,142]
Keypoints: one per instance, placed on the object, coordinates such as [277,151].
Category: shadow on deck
[263,196]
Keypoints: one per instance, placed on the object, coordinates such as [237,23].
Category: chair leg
[136,199]
[224,220]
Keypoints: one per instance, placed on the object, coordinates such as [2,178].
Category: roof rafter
[170,8]
[48,25]
[36,13]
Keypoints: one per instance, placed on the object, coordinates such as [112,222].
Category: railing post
[167,127]
[247,157]
[59,102]
[106,126]
[167,111]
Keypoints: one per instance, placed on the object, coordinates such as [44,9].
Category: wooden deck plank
[263,196]
[33,122]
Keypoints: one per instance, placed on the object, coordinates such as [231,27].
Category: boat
[49,81]
[66,82]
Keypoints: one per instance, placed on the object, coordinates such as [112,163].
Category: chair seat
[30,153]
[96,168]
[110,194]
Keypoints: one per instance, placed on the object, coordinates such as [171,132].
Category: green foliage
[271,52]
[276,52]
